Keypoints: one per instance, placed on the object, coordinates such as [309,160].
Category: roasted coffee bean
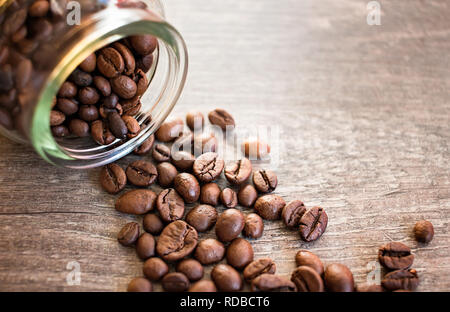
[56,118]
[143,44]
[88,96]
[129,234]
[208,167]
[191,268]
[247,195]
[104,112]
[161,153]
[117,125]
[170,205]
[395,256]
[255,149]
[195,120]
[271,282]
[258,267]
[313,224]
[203,286]
[57,131]
[14,21]
[202,217]
[141,81]
[136,201]
[424,231]
[307,258]
[221,118]
[88,112]
[145,147]
[166,174]
[175,282]
[140,284]
[269,207]
[177,240]
[152,224]
[89,64]
[79,127]
[132,125]
[110,101]
[228,198]
[209,251]
[239,171]
[209,194]
[239,253]
[307,279]
[124,87]
[265,180]
[369,288]
[131,106]
[187,186]
[183,160]
[292,213]
[338,278]
[23,73]
[101,134]
[102,84]
[80,78]
[141,173]
[113,178]
[229,225]
[127,56]
[170,130]
[226,278]
[110,63]
[254,226]
[401,279]
[155,269]
[39,8]
[67,106]
[145,62]
[145,246]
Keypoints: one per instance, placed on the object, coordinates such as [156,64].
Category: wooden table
[364,120]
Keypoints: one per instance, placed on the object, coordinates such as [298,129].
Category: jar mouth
[167,79]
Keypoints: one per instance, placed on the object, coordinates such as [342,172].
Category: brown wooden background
[365,118]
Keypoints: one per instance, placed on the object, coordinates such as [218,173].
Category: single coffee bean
[424,231]
[369,288]
[338,278]
[143,44]
[272,282]
[145,147]
[187,186]
[57,131]
[129,234]
[141,173]
[229,225]
[313,224]
[208,167]
[228,198]
[239,253]
[140,284]
[401,279]
[221,118]
[170,205]
[56,118]
[152,224]
[307,258]
[307,279]
[203,286]
[67,106]
[209,251]
[103,85]
[145,246]
[170,130]
[89,64]
[175,282]
[166,174]
[292,213]
[23,73]
[202,217]
[110,63]
[195,120]
[124,87]
[154,269]
[79,127]
[141,81]
[117,125]
[239,171]
[258,267]
[255,149]
[254,226]
[39,8]
[265,181]
[88,112]
[101,134]
[132,125]
[110,101]
[183,160]
[113,178]
[395,256]
[88,96]
[226,278]
[136,202]
[145,63]
[247,195]
[209,194]
[131,106]
[161,153]
[80,78]
[191,268]
[269,207]
[177,240]
[127,56]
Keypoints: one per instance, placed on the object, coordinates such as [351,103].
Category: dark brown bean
[145,246]
[306,279]
[228,198]
[254,226]
[424,231]
[202,217]
[88,96]
[175,282]
[89,64]
[292,213]
[166,174]
[110,101]
[269,207]
[209,194]
[191,268]
[136,201]
[79,127]
[395,256]
[141,173]
[338,278]
[145,147]
[152,224]
[265,181]
[124,86]
[271,282]
[58,131]
[258,267]
[208,167]
[141,82]
[182,160]
[209,251]
[23,73]
[117,125]
[132,125]
[313,224]
[145,62]
[113,178]
[307,258]
[154,269]
[127,56]
[80,78]
[131,106]
[187,186]
[129,234]
[161,153]
[221,118]
[39,8]
[170,205]
[110,63]
[170,130]
[56,118]
[88,112]
[226,278]
[229,225]
[102,84]
[143,44]
[239,253]
[177,240]
[247,195]
[239,171]
[140,284]
[401,279]
[67,106]
[101,134]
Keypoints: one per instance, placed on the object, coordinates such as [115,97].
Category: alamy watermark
[374,13]
[74,276]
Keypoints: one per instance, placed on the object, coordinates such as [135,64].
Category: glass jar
[78,29]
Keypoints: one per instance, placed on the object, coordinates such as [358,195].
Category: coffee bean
[131,106]
[202,217]
[203,286]
[14,21]
[183,160]
[424,231]
[208,167]
[395,256]
[79,127]
[307,258]
[103,85]
[141,173]
[175,282]
[369,288]
[166,174]
[265,180]
[187,186]
[313,224]
[401,279]
[101,134]
[239,253]
[254,226]
[145,147]
[88,112]
[80,78]
[141,81]
[154,269]
[170,130]
[104,112]
[247,195]
[229,225]
[140,284]
[67,106]
[170,205]
[113,178]
[56,118]
[132,125]
[89,64]
[271,282]
[239,171]
[127,56]
[209,251]
[117,125]
[221,118]
[195,120]
[269,207]
[338,278]
[136,201]
[258,267]
[20,35]
[23,73]
[145,63]
[39,8]
[228,198]
[209,194]
[129,234]
[307,279]
[161,153]
[88,96]
[255,149]
[152,224]
[110,63]
[177,240]
[145,246]
[110,101]
[191,268]
[226,278]
[57,131]
[143,44]
[124,86]
[292,213]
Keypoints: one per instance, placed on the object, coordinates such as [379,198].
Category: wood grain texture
[364,117]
